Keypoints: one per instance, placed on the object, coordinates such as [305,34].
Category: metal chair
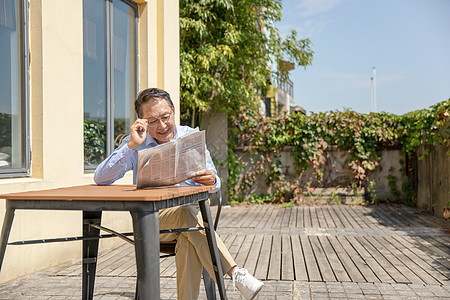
[168,248]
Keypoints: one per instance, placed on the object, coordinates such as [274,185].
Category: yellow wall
[56,45]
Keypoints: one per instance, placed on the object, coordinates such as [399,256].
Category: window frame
[25,171]
[109,47]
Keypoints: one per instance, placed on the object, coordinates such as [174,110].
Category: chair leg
[210,285]
[210,235]
[136,296]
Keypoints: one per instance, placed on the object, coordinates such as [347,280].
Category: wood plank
[251,215]
[264,257]
[328,218]
[436,246]
[293,218]
[365,213]
[310,260]
[387,250]
[244,251]
[382,275]
[429,264]
[243,215]
[314,217]
[300,217]
[342,218]
[287,263]
[261,214]
[127,262]
[378,255]
[359,260]
[227,214]
[236,246]
[336,266]
[286,218]
[344,256]
[321,218]
[357,217]
[307,217]
[299,261]
[418,244]
[275,259]
[324,266]
[408,258]
[266,223]
[275,221]
[254,252]
[334,217]
[442,243]
[264,217]
[384,219]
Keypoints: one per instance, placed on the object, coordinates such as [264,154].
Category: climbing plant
[362,136]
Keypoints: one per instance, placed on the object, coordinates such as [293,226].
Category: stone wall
[216,126]
[336,172]
[433,178]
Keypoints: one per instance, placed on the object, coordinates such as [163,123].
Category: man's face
[160,118]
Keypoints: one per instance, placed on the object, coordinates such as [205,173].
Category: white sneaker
[248,285]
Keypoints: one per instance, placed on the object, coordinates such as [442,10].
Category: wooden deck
[333,243]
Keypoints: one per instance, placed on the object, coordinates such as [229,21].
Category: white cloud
[306,29]
[311,28]
[314,7]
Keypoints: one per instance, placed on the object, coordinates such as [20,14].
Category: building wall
[56,80]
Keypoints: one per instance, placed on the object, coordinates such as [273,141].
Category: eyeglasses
[153,122]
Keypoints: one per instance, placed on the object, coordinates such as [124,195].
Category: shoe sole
[256,293]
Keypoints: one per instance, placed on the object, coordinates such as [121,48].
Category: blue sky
[407,41]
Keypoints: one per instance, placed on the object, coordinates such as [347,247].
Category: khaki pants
[192,250]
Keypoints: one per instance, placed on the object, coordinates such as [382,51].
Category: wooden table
[144,206]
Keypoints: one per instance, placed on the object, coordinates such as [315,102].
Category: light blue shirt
[124,159]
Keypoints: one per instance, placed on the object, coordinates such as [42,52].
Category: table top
[109,193]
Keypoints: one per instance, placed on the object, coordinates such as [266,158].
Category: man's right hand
[138,133]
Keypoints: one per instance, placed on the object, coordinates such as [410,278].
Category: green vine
[362,136]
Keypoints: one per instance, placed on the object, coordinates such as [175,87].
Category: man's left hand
[205,177]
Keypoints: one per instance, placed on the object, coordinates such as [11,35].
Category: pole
[374,90]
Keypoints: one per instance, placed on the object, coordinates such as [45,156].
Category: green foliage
[5,130]
[373,198]
[226,50]
[392,180]
[94,142]
[335,197]
[363,136]
[260,198]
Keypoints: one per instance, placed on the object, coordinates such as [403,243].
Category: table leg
[210,235]
[7,223]
[146,245]
[90,252]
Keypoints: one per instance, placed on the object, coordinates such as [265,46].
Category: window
[110,75]
[14,89]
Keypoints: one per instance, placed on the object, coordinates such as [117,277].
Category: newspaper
[172,162]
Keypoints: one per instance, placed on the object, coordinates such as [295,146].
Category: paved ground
[317,252]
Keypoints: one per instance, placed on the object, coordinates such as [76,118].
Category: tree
[226,53]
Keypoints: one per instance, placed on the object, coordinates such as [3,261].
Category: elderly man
[155,125]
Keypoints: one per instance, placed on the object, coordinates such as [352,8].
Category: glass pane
[124,54]
[94,73]
[11,83]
